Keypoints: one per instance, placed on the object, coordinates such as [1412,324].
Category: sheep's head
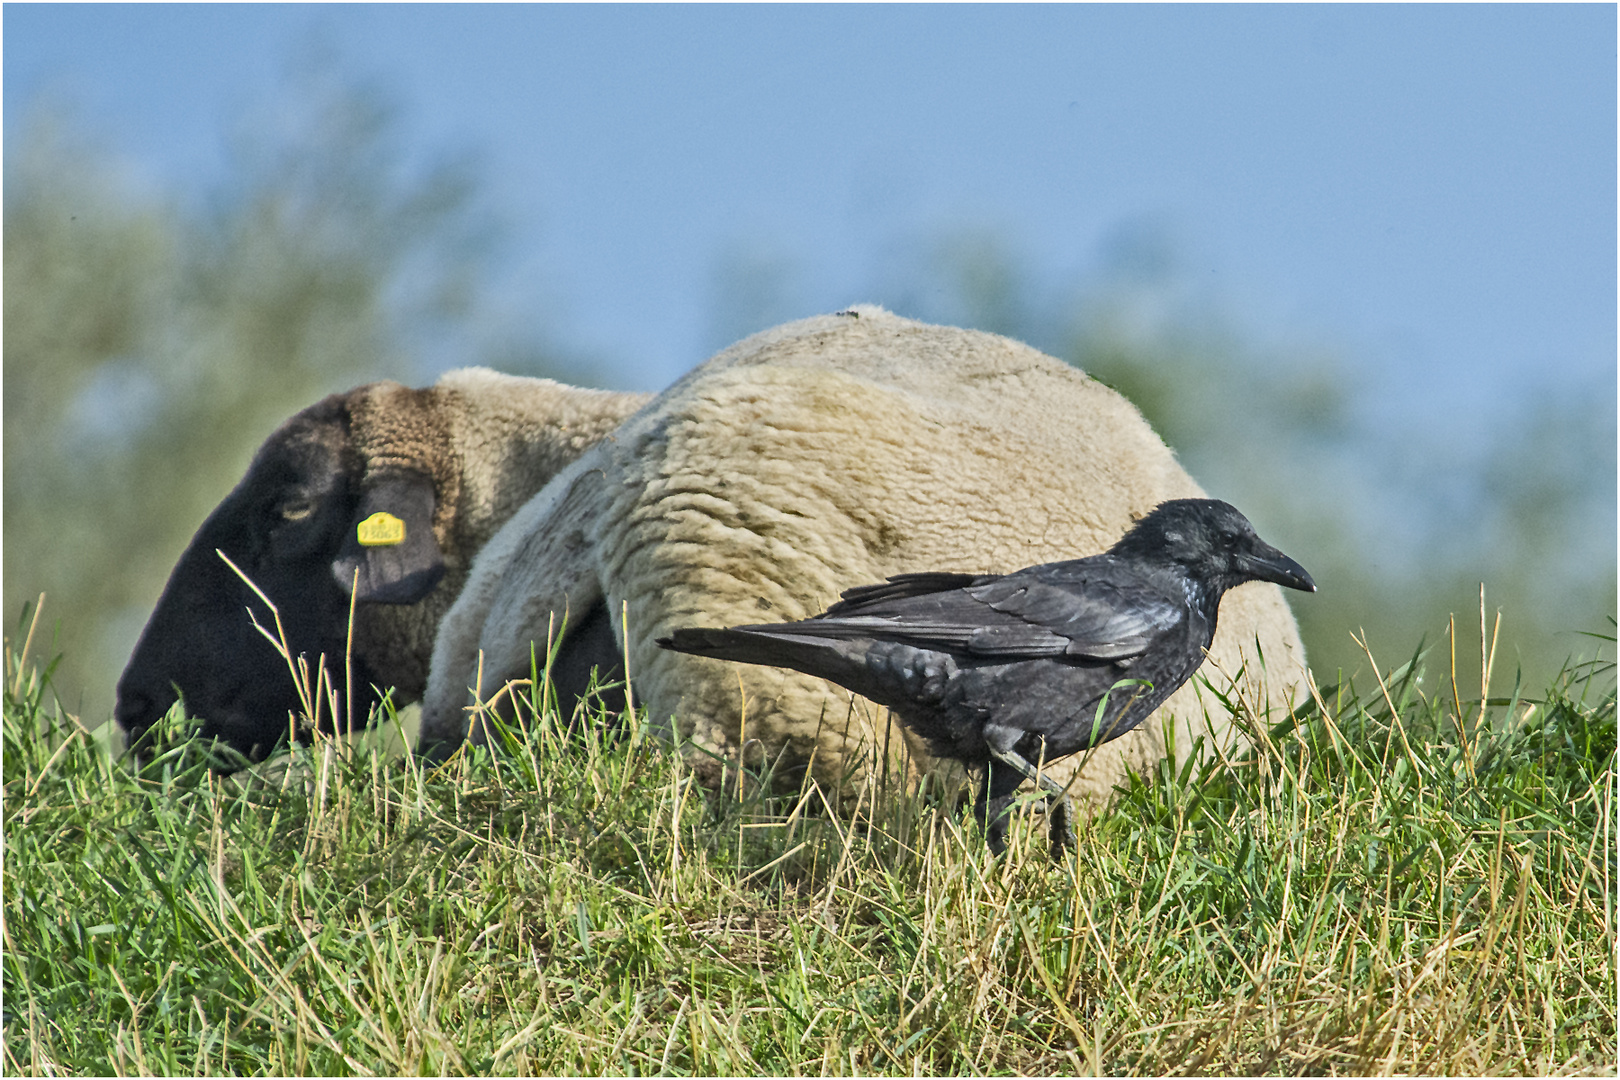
[312,517]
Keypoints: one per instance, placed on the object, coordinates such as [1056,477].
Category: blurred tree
[755,286]
[149,348]
[963,276]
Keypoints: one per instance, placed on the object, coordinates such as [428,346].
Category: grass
[1394,880]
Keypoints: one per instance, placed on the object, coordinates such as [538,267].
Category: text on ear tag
[381,529]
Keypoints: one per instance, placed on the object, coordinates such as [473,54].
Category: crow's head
[1211,542]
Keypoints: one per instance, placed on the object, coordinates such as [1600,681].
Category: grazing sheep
[810,458]
[451,463]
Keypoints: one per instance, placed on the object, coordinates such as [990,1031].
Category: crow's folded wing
[1098,612]
[899,587]
[1026,615]
[909,611]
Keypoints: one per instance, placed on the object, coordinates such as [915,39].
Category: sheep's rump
[803,461]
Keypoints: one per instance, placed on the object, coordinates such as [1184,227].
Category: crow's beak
[1268,564]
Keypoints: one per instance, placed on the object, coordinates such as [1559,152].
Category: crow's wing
[1098,609]
[1054,610]
[945,621]
[899,587]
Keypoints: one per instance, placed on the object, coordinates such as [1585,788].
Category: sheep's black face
[285,525]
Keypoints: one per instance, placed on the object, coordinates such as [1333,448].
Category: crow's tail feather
[776,646]
[706,641]
[743,644]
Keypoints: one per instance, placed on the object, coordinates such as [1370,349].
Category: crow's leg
[1058,816]
[1060,826]
[995,796]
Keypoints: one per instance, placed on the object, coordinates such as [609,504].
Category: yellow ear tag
[381,530]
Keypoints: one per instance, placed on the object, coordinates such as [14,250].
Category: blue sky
[1429,190]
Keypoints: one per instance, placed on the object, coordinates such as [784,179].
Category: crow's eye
[1229,539]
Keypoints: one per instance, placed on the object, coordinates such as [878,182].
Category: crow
[1002,670]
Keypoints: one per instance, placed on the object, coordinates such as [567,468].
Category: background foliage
[151,344]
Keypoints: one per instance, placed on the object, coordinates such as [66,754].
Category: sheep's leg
[516,592]
[1059,818]
[589,646]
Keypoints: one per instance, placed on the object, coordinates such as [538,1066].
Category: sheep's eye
[297,511]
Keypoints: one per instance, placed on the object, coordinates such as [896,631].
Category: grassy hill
[1403,877]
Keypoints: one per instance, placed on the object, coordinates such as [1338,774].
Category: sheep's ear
[390,541]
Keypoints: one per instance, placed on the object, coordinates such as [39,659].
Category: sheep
[805,460]
[449,463]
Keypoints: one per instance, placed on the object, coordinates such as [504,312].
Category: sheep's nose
[137,710]
[133,712]
[133,708]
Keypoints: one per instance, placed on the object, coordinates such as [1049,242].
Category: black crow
[1002,670]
